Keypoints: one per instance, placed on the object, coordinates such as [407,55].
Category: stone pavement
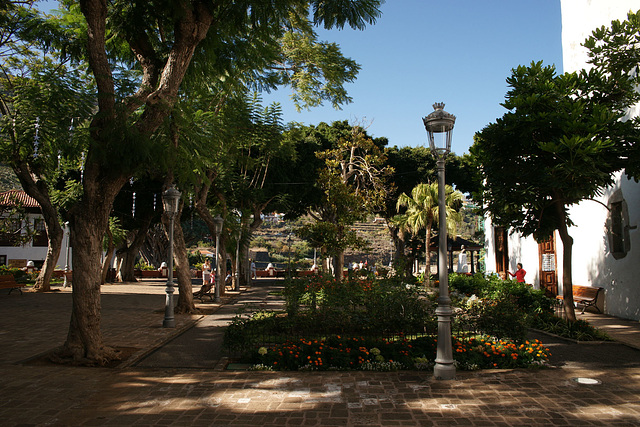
[597,384]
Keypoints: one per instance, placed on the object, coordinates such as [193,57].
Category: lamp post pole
[170,199]
[237,284]
[439,125]
[66,260]
[289,246]
[218,225]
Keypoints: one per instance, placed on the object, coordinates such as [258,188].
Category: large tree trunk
[39,190]
[326,261]
[567,277]
[154,248]
[106,263]
[127,264]
[104,174]
[55,235]
[185,302]
[338,267]
[221,263]
[247,232]
[90,218]
[130,253]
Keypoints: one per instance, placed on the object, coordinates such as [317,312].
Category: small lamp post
[170,199]
[237,284]
[289,238]
[217,222]
[439,126]
[66,260]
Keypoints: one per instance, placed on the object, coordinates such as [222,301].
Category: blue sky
[459,52]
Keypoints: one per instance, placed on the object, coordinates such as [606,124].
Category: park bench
[585,295]
[8,282]
[205,291]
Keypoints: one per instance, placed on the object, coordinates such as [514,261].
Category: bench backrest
[585,291]
[7,278]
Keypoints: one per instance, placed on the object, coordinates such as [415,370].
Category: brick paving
[49,395]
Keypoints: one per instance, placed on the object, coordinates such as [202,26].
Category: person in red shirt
[519,274]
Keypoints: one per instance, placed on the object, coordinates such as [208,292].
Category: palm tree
[422,212]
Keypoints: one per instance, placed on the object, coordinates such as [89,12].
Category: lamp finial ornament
[438,106]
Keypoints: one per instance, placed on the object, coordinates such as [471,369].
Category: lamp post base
[169,318]
[444,372]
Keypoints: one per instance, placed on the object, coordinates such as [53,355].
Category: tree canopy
[560,141]
[141,58]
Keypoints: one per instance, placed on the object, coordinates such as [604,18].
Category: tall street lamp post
[66,260]
[217,222]
[170,199]
[237,284]
[439,126]
[289,239]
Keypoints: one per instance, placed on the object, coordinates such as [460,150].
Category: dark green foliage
[579,330]
[382,325]
[322,306]
[18,274]
[506,308]
[8,179]
[564,153]
[500,318]
[499,308]
[358,305]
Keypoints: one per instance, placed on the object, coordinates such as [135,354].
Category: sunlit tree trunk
[567,251]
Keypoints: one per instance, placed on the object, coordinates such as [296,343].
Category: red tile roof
[17,197]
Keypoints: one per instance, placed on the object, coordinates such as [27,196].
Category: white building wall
[592,262]
[523,250]
[37,253]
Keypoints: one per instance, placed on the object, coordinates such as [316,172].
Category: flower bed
[364,323]
[341,353]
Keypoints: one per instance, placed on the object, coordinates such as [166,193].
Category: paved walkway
[163,384]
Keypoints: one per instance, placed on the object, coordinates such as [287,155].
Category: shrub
[368,324]
[142,265]
[501,308]
[196,259]
[359,304]
[579,330]
[18,274]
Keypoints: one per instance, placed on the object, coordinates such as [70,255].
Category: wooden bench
[8,282]
[585,295]
[205,291]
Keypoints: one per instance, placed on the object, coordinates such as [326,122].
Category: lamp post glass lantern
[439,126]
[170,199]
[217,222]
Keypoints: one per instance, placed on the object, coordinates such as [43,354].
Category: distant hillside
[8,180]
